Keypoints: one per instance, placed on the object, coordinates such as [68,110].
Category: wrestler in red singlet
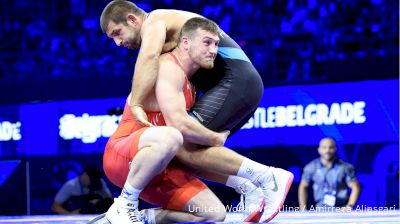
[171,189]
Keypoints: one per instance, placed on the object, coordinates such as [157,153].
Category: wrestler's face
[203,48]
[327,149]
[124,34]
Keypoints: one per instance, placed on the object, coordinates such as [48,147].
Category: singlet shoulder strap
[176,60]
[180,65]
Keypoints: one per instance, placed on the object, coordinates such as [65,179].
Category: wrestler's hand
[139,114]
[222,136]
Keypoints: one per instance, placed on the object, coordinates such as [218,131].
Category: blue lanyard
[325,174]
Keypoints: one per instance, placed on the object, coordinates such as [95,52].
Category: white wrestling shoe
[275,191]
[148,216]
[100,219]
[124,211]
[250,203]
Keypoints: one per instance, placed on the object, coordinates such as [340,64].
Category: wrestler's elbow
[150,55]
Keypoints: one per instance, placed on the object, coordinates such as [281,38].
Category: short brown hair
[198,23]
[116,11]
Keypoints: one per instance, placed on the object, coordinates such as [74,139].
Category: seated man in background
[84,194]
[330,178]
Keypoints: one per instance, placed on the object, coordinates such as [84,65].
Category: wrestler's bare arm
[153,37]
[172,104]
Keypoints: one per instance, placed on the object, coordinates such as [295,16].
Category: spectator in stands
[84,194]
[330,178]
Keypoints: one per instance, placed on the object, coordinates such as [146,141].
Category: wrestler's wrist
[218,139]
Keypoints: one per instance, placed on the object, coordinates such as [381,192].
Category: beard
[132,44]
[207,65]
[203,62]
[134,41]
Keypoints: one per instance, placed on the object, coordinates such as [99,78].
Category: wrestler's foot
[124,211]
[251,202]
[275,190]
[256,214]
[100,219]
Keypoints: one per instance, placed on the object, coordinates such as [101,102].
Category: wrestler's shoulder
[158,14]
[170,14]
[166,58]
[161,12]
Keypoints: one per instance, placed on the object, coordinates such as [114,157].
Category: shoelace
[143,217]
[241,203]
[243,189]
[134,215]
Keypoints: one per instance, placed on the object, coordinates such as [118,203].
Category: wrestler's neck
[145,16]
[189,66]
[143,19]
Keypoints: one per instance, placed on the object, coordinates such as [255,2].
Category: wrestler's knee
[216,213]
[169,141]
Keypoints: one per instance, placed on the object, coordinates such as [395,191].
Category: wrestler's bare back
[173,20]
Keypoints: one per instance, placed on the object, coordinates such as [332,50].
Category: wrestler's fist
[222,136]
[139,114]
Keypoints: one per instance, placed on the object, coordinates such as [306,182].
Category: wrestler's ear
[185,40]
[131,18]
